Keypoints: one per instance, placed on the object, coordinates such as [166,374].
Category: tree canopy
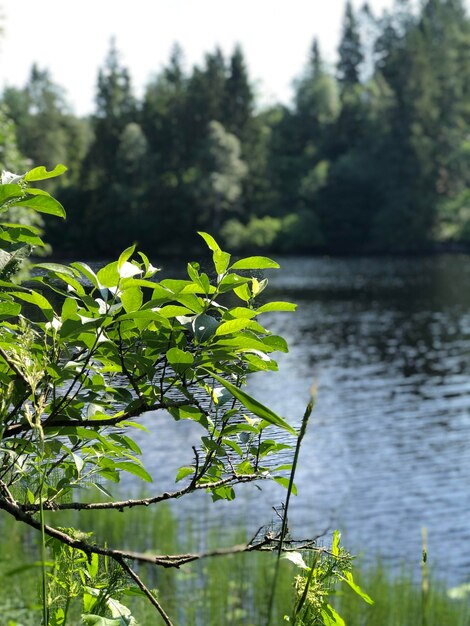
[371,156]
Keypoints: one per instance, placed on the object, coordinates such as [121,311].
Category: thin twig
[128,504]
[57,422]
[152,599]
[163,560]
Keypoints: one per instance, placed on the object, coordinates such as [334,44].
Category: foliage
[83,355]
[365,159]
[230,590]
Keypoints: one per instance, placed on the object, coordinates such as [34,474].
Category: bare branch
[152,599]
[50,424]
[269,543]
[128,504]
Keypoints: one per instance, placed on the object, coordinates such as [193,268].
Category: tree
[422,60]
[207,95]
[46,130]
[316,99]
[75,379]
[238,97]
[115,108]
[219,189]
[101,177]
[350,50]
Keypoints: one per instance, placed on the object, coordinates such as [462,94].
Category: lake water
[387,342]
[388,451]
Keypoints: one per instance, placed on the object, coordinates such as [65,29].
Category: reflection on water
[388,343]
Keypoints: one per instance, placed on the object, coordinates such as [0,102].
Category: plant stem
[302,431]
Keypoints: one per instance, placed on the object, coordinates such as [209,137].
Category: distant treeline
[372,156]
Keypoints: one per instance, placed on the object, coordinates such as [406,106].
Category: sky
[71,39]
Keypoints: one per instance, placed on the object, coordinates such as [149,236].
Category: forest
[371,156]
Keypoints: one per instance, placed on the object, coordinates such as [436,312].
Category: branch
[152,599]
[268,543]
[15,429]
[48,505]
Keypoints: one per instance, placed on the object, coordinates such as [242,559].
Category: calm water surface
[387,342]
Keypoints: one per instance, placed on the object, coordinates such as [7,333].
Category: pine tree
[115,108]
[350,50]
[238,97]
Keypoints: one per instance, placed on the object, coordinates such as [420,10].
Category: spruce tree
[350,50]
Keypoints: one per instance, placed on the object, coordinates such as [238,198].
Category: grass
[231,590]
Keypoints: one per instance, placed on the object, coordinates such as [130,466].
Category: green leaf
[221,261]
[254,405]
[239,312]
[348,577]
[204,327]
[109,276]
[125,256]
[37,299]
[134,468]
[335,544]
[86,271]
[43,204]
[243,292]
[284,482]
[132,299]
[274,342]
[232,326]
[210,241]
[20,234]
[96,620]
[56,268]
[277,306]
[10,191]
[255,263]
[40,173]
[231,281]
[69,309]
[331,617]
[179,359]
[173,310]
[9,309]
[183,472]
[242,343]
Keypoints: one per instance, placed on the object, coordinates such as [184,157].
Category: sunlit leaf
[284,482]
[232,326]
[221,261]
[296,558]
[331,617]
[210,241]
[41,173]
[183,472]
[254,405]
[38,300]
[135,469]
[179,359]
[277,306]
[43,204]
[348,577]
[255,263]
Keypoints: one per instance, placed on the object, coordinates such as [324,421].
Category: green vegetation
[221,591]
[371,156]
[83,356]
